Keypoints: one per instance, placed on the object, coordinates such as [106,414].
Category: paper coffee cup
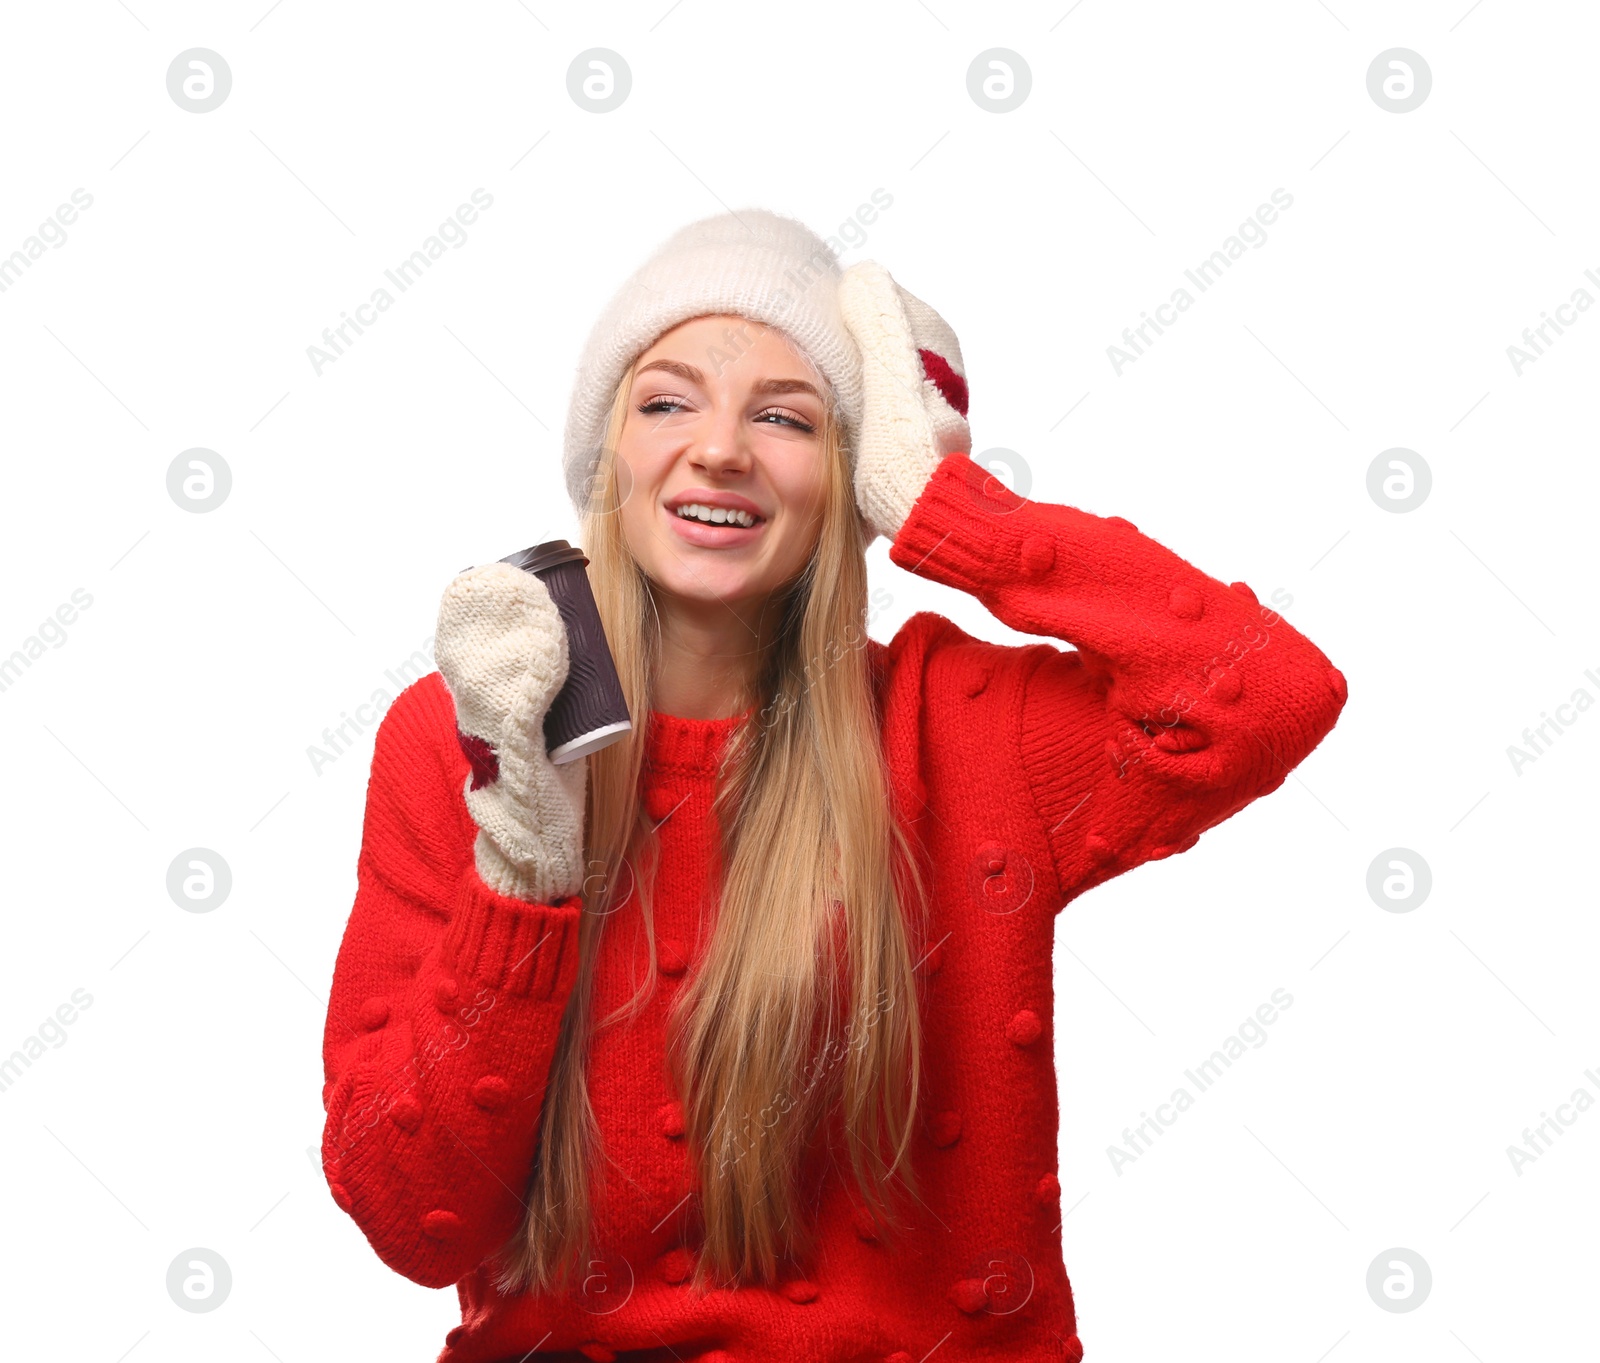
[589,712]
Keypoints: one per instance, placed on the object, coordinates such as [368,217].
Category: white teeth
[717,515]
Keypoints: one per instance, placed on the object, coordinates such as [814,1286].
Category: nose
[720,448]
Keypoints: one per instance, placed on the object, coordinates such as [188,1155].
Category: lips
[711,536]
[714,499]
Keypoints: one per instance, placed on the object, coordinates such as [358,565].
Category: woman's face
[724,413]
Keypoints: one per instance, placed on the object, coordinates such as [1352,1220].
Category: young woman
[732,1041]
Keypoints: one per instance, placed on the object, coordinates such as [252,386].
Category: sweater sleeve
[443,1016]
[1183,701]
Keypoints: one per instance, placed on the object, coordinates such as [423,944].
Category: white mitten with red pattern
[914,394]
[502,649]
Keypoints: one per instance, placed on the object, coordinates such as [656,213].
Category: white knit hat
[754,263]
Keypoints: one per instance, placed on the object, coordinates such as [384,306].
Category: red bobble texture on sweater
[1025,775]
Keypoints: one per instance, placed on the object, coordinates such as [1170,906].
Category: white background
[179,708]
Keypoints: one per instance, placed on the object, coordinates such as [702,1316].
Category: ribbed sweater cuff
[530,950]
[960,492]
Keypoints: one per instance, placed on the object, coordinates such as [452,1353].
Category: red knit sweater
[1027,774]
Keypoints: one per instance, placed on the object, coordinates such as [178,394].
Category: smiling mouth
[700,533]
[700,514]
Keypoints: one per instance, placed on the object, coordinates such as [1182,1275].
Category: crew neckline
[675,743]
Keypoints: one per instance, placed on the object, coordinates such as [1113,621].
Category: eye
[661,404]
[784,415]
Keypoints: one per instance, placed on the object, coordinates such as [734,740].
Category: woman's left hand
[914,394]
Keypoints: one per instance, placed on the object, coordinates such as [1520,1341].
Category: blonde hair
[805,1003]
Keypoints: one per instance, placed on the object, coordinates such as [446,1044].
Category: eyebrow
[764,388]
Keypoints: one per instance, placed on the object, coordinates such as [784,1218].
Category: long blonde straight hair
[801,1025]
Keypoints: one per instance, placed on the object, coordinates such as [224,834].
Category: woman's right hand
[502,649]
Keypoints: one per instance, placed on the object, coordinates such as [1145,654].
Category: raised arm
[1184,700]
[460,953]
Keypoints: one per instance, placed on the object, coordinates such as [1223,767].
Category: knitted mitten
[914,394]
[502,649]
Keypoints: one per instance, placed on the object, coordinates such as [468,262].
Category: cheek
[633,503]
[804,502]
[800,481]
[638,524]
[811,500]
[638,478]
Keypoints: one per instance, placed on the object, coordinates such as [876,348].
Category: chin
[674,577]
[710,588]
